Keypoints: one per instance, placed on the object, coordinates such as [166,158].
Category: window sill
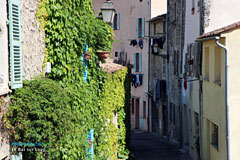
[215,146]
[217,83]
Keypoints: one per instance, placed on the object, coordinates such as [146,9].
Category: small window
[214,133]
[140,27]
[144,109]
[206,63]
[193,6]
[116,54]
[217,66]
[154,28]
[175,61]
[138,62]
[116,21]
[132,105]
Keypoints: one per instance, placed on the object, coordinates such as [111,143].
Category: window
[122,58]
[214,133]
[206,63]
[217,65]
[175,62]
[116,54]
[132,105]
[137,62]
[193,6]
[154,28]
[140,27]
[144,109]
[116,22]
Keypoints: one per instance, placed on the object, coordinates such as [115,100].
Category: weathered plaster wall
[4,76]
[220,13]
[232,42]
[32,40]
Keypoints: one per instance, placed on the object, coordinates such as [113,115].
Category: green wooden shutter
[143,27]
[118,21]
[137,27]
[135,62]
[15,44]
[140,62]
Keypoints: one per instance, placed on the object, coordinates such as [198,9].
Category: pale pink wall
[129,11]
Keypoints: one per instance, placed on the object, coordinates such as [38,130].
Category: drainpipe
[168,107]
[180,95]
[226,94]
[201,17]
[149,47]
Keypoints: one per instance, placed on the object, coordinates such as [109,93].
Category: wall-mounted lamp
[108,11]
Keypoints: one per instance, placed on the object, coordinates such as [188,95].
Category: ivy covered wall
[60,111]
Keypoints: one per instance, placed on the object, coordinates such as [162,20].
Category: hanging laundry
[140,43]
[133,43]
[137,80]
[151,43]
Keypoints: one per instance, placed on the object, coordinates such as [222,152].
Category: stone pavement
[149,146]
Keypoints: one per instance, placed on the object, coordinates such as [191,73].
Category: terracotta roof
[221,30]
[111,67]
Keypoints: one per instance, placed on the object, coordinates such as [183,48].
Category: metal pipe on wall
[226,95]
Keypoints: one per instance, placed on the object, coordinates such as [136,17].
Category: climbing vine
[69,26]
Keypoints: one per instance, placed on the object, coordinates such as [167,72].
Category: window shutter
[135,62]
[118,21]
[140,62]
[85,64]
[15,45]
[113,22]
[143,27]
[137,27]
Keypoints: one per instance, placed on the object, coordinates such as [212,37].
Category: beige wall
[233,44]
[222,13]
[214,108]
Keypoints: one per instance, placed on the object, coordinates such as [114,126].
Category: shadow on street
[149,146]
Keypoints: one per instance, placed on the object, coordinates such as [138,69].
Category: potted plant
[103,54]
[88,55]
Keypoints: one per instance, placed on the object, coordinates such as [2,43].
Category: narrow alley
[149,146]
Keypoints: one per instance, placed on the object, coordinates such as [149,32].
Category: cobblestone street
[148,146]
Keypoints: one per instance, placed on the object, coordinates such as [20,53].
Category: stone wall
[175,44]
[32,38]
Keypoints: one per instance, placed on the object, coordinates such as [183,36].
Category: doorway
[137,114]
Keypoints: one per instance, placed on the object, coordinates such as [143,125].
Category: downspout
[149,48]
[168,107]
[226,94]
[201,83]
[180,95]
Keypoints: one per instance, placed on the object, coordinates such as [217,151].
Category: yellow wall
[214,104]
[233,44]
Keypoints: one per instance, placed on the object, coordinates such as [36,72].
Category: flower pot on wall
[88,55]
[103,54]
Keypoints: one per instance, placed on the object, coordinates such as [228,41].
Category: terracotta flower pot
[87,56]
[103,54]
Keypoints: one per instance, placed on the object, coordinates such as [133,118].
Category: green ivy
[61,111]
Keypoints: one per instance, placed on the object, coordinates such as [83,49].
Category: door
[164,112]
[137,114]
